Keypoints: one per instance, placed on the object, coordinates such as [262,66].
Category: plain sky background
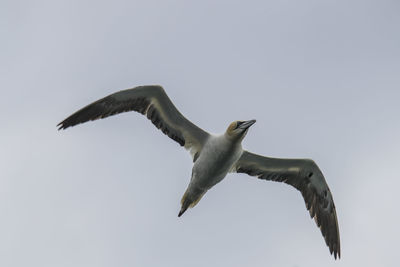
[322,78]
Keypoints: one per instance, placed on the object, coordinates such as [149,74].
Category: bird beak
[246,124]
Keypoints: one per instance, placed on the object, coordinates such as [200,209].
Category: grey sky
[321,78]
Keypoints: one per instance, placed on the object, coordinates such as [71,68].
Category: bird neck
[233,138]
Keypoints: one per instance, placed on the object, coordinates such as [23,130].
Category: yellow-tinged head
[238,129]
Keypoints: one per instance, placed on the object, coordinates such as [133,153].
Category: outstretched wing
[305,176]
[151,101]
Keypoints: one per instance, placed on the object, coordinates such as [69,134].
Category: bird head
[238,129]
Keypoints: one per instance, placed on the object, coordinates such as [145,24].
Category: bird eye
[238,123]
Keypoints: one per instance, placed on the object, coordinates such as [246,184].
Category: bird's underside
[302,174]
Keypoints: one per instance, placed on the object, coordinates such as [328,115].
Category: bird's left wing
[151,101]
[305,176]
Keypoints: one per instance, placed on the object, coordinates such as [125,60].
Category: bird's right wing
[151,101]
[305,176]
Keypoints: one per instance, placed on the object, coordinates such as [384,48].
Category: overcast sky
[322,78]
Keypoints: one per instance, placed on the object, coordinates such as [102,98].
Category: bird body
[215,156]
[216,159]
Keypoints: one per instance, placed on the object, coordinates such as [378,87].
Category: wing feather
[151,101]
[305,176]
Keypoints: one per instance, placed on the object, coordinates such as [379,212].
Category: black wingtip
[336,253]
[64,125]
[61,126]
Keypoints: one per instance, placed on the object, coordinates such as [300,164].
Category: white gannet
[215,156]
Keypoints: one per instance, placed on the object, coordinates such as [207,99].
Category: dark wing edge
[149,100]
[305,176]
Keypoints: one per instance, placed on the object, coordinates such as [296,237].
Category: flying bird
[214,156]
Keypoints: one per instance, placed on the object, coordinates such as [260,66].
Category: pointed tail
[189,201]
